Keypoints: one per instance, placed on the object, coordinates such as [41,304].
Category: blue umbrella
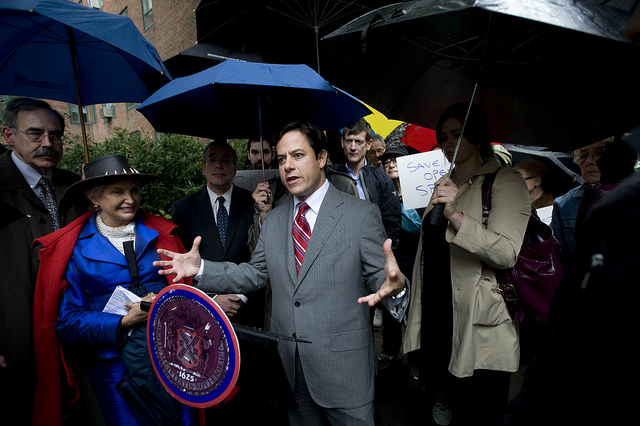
[61,50]
[241,99]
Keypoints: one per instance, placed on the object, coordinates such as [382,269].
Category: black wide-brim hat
[105,170]
[394,151]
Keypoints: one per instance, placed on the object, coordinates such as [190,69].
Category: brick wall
[173,30]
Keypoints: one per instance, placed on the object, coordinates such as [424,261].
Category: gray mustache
[46,152]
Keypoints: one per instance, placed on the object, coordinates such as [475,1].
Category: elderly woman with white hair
[81,265]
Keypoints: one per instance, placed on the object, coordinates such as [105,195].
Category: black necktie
[223,218]
[48,198]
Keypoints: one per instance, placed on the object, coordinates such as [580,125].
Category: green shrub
[176,159]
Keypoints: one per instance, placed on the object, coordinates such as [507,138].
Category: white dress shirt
[31,175]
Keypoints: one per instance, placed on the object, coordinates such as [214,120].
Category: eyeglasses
[582,156]
[529,177]
[358,142]
[388,161]
[38,136]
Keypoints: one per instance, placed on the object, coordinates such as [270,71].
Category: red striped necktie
[301,234]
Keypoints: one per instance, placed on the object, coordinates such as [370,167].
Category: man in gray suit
[344,271]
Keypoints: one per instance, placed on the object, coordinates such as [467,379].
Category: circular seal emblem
[193,346]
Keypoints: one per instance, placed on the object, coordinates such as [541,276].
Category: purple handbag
[528,287]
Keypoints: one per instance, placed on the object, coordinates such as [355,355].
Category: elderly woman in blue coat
[115,248]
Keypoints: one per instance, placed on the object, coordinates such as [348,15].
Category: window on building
[132,105]
[96,4]
[108,111]
[89,114]
[147,13]
[125,12]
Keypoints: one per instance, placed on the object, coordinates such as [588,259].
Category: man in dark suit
[35,133]
[200,214]
[323,296]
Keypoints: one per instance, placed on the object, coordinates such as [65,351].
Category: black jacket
[24,219]
[587,363]
[194,215]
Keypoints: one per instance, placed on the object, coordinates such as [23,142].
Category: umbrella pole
[317,48]
[438,209]
[260,135]
[74,61]
[84,130]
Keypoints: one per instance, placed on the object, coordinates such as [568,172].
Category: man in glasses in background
[222,213]
[31,189]
[377,149]
[565,207]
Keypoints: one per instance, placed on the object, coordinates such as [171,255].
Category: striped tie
[301,234]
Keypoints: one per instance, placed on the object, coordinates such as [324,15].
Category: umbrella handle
[436,214]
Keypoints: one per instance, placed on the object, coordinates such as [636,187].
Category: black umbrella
[562,173]
[202,56]
[555,73]
[626,5]
[280,31]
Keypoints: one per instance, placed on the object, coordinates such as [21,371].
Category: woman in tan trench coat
[457,316]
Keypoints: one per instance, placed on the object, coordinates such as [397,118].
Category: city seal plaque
[193,346]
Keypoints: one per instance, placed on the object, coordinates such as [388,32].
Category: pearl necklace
[117,234]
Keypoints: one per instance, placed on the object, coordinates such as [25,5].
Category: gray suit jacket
[344,261]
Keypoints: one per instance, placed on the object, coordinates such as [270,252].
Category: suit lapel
[144,237]
[283,229]
[12,179]
[238,206]
[328,216]
[98,249]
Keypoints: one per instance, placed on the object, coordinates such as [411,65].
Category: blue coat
[563,221]
[95,269]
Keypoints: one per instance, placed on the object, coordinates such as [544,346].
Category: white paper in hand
[116,302]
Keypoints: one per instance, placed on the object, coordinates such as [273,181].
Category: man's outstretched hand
[394,282]
[183,265]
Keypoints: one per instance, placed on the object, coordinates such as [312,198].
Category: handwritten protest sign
[418,176]
[249,179]
[544,213]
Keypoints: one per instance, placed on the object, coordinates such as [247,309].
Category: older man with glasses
[222,213]
[31,188]
[565,207]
